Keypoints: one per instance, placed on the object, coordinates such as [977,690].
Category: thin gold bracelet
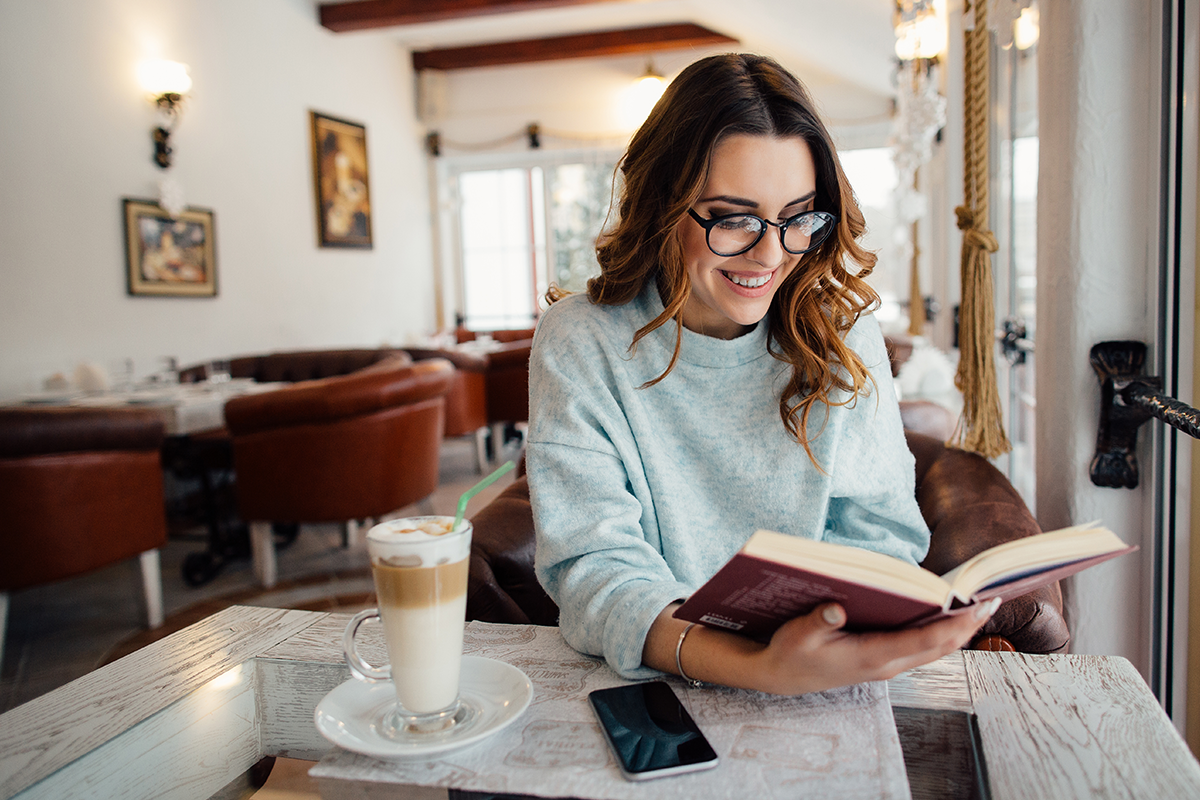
[695,684]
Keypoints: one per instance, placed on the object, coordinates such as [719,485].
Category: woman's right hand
[811,653]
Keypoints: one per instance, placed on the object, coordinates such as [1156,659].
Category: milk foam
[409,543]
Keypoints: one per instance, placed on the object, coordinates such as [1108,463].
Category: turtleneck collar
[696,348]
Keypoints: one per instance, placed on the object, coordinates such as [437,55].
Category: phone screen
[650,731]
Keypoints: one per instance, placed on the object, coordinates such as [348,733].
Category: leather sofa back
[298,365]
[39,431]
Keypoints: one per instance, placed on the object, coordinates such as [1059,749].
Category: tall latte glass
[420,570]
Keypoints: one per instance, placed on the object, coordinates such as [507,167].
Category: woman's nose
[768,251]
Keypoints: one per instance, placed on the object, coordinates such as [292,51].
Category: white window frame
[448,256]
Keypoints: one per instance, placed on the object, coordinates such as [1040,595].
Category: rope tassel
[981,427]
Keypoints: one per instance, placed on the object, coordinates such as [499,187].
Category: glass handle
[359,668]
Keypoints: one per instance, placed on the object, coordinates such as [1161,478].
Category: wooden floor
[59,632]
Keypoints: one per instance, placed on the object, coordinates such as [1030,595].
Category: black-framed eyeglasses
[734,234]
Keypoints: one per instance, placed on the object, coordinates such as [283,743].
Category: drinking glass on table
[217,371]
[420,570]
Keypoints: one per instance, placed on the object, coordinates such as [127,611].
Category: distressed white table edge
[189,713]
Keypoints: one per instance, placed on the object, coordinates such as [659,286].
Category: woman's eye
[738,224]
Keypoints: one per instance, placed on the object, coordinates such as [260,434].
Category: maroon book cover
[754,596]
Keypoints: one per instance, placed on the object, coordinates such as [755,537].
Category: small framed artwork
[342,182]
[169,256]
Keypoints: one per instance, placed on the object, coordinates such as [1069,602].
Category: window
[520,226]
[872,174]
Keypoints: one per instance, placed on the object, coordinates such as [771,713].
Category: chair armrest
[970,506]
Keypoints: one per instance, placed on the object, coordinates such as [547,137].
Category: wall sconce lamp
[1028,28]
[167,84]
[920,30]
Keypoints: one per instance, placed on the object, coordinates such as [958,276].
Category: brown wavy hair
[665,169]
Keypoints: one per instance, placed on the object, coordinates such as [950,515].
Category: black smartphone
[650,731]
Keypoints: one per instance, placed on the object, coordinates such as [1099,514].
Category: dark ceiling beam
[580,45]
[363,14]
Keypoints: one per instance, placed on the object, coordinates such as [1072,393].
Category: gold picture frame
[169,256]
[342,182]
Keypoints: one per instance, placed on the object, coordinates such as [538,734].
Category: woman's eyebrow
[803,199]
[733,201]
[742,201]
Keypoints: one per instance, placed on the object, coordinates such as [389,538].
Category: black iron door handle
[1127,400]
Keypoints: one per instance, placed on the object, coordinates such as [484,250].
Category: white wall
[76,128]
[1097,267]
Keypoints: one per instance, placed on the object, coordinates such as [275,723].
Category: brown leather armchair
[466,399]
[207,457]
[508,390]
[81,488]
[350,447]
[968,504]
[490,388]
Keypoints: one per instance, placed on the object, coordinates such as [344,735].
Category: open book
[776,577]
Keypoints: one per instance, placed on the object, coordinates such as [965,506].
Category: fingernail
[987,609]
[833,615]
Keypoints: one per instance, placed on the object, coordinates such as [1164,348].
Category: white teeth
[749,283]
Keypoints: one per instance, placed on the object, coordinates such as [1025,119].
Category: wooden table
[186,715]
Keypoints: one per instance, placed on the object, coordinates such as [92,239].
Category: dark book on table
[776,577]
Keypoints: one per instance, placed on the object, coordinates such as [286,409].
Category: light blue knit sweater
[641,495]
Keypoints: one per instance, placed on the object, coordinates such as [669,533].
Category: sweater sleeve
[591,508]
[872,501]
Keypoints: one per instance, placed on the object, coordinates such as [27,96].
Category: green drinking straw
[476,489]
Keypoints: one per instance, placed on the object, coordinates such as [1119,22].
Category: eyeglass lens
[736,234]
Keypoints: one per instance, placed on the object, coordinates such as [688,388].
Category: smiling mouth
[748,281]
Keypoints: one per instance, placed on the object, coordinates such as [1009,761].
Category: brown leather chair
[80,489]
[507,383]
[339,449]
[968,504]
[207,457]
[466,399]
[490,389]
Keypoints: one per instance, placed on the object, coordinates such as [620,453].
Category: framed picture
[169,256]
[342,183]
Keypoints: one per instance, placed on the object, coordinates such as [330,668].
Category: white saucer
[349,715]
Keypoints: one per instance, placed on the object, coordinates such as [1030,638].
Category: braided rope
[981,427]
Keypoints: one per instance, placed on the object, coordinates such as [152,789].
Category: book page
[841,743]
[1031,555]
[856,564]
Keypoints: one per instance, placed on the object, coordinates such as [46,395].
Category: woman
[721,376]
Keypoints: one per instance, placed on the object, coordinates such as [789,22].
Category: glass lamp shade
[923,37]
[159,77]
[1027,29]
